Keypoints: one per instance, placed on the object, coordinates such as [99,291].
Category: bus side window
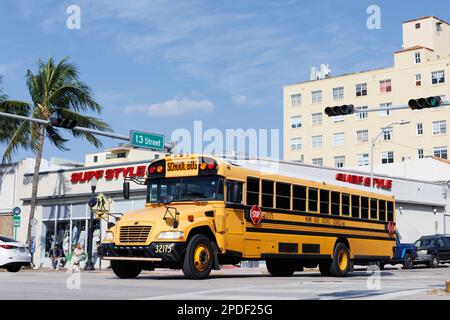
[252,191]
[355,206]
[390,211]
[325,201]
[382,210]
[299,198]
[267,193]
[234,192]
[312,199]
[335,203]
[283,195]
[364,208]
[373,209]
[345,204]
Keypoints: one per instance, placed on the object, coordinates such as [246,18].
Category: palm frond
[20,139]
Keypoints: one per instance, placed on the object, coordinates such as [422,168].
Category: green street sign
[147,140]
[16,221]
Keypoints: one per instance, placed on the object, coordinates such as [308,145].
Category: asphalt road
[392,283]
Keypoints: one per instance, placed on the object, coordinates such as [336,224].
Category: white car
[13,254]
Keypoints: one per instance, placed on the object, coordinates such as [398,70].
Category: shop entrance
[6,226]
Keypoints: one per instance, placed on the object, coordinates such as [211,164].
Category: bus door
[235,217]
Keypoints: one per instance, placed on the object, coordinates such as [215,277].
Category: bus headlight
[171,235]
[109,236]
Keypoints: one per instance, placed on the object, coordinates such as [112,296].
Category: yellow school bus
[203,212]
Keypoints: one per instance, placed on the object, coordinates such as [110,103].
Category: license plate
[21,250]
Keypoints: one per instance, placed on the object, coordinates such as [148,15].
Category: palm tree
[55,90]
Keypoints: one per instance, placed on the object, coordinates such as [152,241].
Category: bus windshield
[200,188]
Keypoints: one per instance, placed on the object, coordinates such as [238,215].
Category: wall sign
[108,174]
[364,181]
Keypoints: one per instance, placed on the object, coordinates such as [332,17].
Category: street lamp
[372,146]
[89,264]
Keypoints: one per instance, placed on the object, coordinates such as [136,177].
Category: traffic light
[339,110]
[418,104]
[63,123]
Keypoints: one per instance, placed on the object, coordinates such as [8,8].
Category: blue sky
[159,65]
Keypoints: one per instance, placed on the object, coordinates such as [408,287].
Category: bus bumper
[158,251]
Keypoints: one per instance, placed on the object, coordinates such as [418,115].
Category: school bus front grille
[134,234]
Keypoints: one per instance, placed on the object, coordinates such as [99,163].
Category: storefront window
[79,233]
[63,235]
[48,237]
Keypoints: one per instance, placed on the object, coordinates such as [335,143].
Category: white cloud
[243,100]
[174,107]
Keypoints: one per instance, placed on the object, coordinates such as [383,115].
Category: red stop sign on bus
[255,214]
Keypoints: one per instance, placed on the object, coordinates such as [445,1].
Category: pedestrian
[57,256]
[78,256]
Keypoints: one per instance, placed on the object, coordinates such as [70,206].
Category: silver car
[13,254]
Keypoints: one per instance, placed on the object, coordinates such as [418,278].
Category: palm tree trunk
[35,182]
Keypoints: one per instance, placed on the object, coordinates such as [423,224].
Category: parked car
[404,253]
[13,254]
[432,250]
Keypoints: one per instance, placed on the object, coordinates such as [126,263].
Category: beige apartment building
[421,69]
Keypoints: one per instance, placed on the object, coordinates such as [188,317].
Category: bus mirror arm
[174,217]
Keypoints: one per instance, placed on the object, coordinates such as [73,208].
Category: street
[227,284]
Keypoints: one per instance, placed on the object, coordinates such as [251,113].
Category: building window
[95,158]
[419,129]
[385,86]
[296,122]
[417,57]
[362,159]
[387,134]
[296,99]
[317,162]
[338,93]
[339,161]
[361,89]
[121,155]
[362,115]
[317,119]
[316,96]
[438,77]
[387,112]
[362,136]
[420,153]
[338,139]
[440,152]
[417,25]
[439,127]
[296,144]
[418,80]
[387,157]
[316,142]
[108,156]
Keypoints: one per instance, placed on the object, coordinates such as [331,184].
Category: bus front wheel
[341,260]
[199,258]
[280,268]
[126,269]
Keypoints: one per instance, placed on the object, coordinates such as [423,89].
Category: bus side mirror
[126,190]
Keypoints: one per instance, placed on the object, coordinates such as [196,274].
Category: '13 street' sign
[147,140]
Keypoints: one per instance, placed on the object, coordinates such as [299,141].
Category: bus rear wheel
[341,261]
[199,258]
[126,269]
[281,268]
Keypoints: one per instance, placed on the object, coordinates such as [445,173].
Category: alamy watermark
[73,21]
[374,20]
